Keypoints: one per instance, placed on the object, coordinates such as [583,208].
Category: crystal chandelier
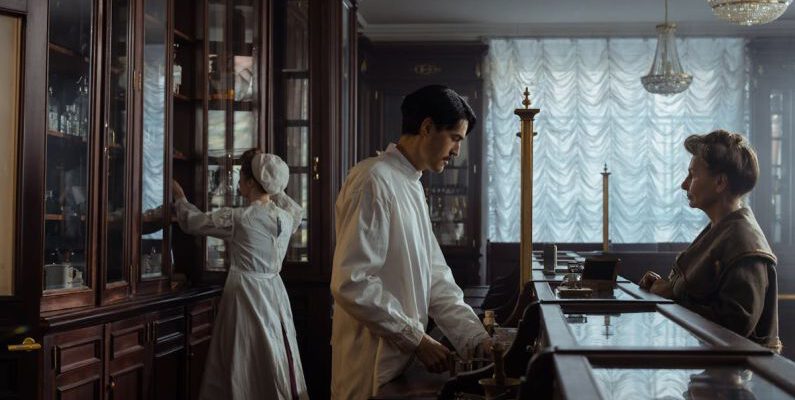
[749,12]
[666,75]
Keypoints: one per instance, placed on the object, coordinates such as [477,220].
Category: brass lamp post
[526,116]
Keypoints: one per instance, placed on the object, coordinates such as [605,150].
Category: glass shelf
[635,329]
[292,132]
[66,194]
[684,383]
[233,101]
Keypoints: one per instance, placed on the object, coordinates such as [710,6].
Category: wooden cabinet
[169,350]
[200,329]
[312,129]
[74,364]
[773,137]
[128,358]
[390,71]
[118,98]
[156,354]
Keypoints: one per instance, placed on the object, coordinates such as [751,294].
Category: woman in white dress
[253,353]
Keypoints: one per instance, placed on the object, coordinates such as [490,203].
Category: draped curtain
[594,111]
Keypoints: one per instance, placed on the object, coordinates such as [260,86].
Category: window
[594,111]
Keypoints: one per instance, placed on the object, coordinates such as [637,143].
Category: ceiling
[475,19]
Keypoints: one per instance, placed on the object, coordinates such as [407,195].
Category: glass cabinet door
[291,131]
[233,101]
[119,71]
[782,111]
[153,153]
[448,197]
[69,88]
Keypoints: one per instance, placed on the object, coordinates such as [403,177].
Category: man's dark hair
[442,105]
[727,153]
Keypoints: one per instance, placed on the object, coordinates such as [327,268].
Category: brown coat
[728,275]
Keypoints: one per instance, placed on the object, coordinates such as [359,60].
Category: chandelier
[749,12]
[666,75]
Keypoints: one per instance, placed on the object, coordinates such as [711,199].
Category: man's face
[441,145]
[703,189]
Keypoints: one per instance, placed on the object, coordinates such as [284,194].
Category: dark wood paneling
[86,389]
[73,319]
[200,326]
[9,377]
[128,358]
[16,6]
[786,328]
[168,365]
[168,375]
[311,307]
[19,313]
[73,364]
[128,383]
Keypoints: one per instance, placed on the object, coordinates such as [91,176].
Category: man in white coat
[389,274]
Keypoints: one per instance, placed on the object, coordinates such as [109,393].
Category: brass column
[526,115]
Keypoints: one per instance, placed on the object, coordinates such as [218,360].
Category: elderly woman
[253,353]
[728,273]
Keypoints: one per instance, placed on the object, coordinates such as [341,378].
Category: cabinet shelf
[59,217]
[219,104]
[66,52]
[182,97]
[183,37]
[67,137]
[152,19]
[446,190]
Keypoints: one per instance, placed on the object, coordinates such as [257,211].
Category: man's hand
[648,279]
[432,354]
[484,348]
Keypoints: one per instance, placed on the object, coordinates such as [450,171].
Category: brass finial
[526,101]
[605,170]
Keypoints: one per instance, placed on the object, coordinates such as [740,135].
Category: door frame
[19,313]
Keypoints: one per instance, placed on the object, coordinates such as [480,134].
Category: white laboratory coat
[388,277]
[247,357]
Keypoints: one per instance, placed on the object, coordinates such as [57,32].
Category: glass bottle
[82,107]
[63,122]
[177,71]
[52,110]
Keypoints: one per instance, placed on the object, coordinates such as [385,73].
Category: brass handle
[28,344]
[316,168]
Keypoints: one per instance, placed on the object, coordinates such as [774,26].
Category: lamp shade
[749,12]
[666,75]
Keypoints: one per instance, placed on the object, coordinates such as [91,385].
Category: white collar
[403,163]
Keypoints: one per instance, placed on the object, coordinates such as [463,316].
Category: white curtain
[594,110]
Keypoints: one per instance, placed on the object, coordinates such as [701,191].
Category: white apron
[248,354]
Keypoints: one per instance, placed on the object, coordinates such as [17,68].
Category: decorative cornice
[458,32]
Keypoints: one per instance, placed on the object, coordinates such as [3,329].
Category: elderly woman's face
[703,189]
